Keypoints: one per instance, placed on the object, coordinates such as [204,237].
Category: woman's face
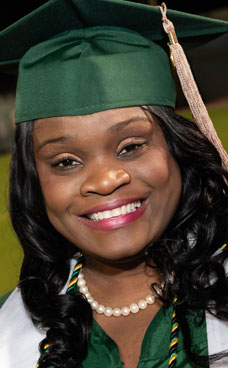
[109,182]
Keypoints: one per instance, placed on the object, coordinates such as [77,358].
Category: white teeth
[116,212]
[107,214]
[100,216]
[123,210]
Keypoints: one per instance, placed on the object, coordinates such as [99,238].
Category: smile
[115,217]
[115,212]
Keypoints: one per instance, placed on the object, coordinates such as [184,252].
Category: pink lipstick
[116,222]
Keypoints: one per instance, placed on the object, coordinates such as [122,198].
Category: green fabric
[103,352]
[79,57]
[92,70]
[57,16]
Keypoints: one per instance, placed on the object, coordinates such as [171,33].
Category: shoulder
[4,298]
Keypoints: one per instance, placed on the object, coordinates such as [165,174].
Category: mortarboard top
[78,57]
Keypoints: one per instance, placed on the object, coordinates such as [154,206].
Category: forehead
[89,124]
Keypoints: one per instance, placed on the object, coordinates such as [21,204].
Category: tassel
[190,89]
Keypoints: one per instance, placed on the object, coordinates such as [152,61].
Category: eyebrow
[116,127]
[124,123]
[62,139]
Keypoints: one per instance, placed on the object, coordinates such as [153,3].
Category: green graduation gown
[103,351]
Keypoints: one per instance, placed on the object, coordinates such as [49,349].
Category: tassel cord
[190,89]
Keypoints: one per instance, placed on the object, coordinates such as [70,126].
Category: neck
[128,279]
[115,268]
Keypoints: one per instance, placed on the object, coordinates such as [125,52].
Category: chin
[122,257]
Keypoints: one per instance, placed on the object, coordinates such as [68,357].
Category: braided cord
[173,338]
[76,270]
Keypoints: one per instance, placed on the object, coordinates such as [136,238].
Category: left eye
[130,148]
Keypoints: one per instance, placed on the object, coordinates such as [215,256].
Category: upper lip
[110,205]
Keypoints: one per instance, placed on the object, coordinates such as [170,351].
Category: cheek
[162,177]
[158,169]
[56,191]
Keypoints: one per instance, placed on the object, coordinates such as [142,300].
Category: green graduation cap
[78,57]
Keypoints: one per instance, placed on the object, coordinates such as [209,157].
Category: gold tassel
[190,88]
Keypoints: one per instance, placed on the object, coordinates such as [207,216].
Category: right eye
[67,162]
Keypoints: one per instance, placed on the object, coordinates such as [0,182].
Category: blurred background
[209,65]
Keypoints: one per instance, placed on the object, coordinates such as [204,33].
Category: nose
[104,182]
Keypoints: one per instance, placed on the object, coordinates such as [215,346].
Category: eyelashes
[129,150]
[66,162]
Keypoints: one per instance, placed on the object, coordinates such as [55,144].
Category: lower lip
[115,222]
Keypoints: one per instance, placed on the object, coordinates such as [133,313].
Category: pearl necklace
[109,311]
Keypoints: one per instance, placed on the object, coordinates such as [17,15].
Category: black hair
[185,254]
[46,264]
[188,254]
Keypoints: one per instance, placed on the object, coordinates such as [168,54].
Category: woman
[103,166]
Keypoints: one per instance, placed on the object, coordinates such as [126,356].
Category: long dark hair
[185,254]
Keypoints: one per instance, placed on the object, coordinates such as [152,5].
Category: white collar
[19,338]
